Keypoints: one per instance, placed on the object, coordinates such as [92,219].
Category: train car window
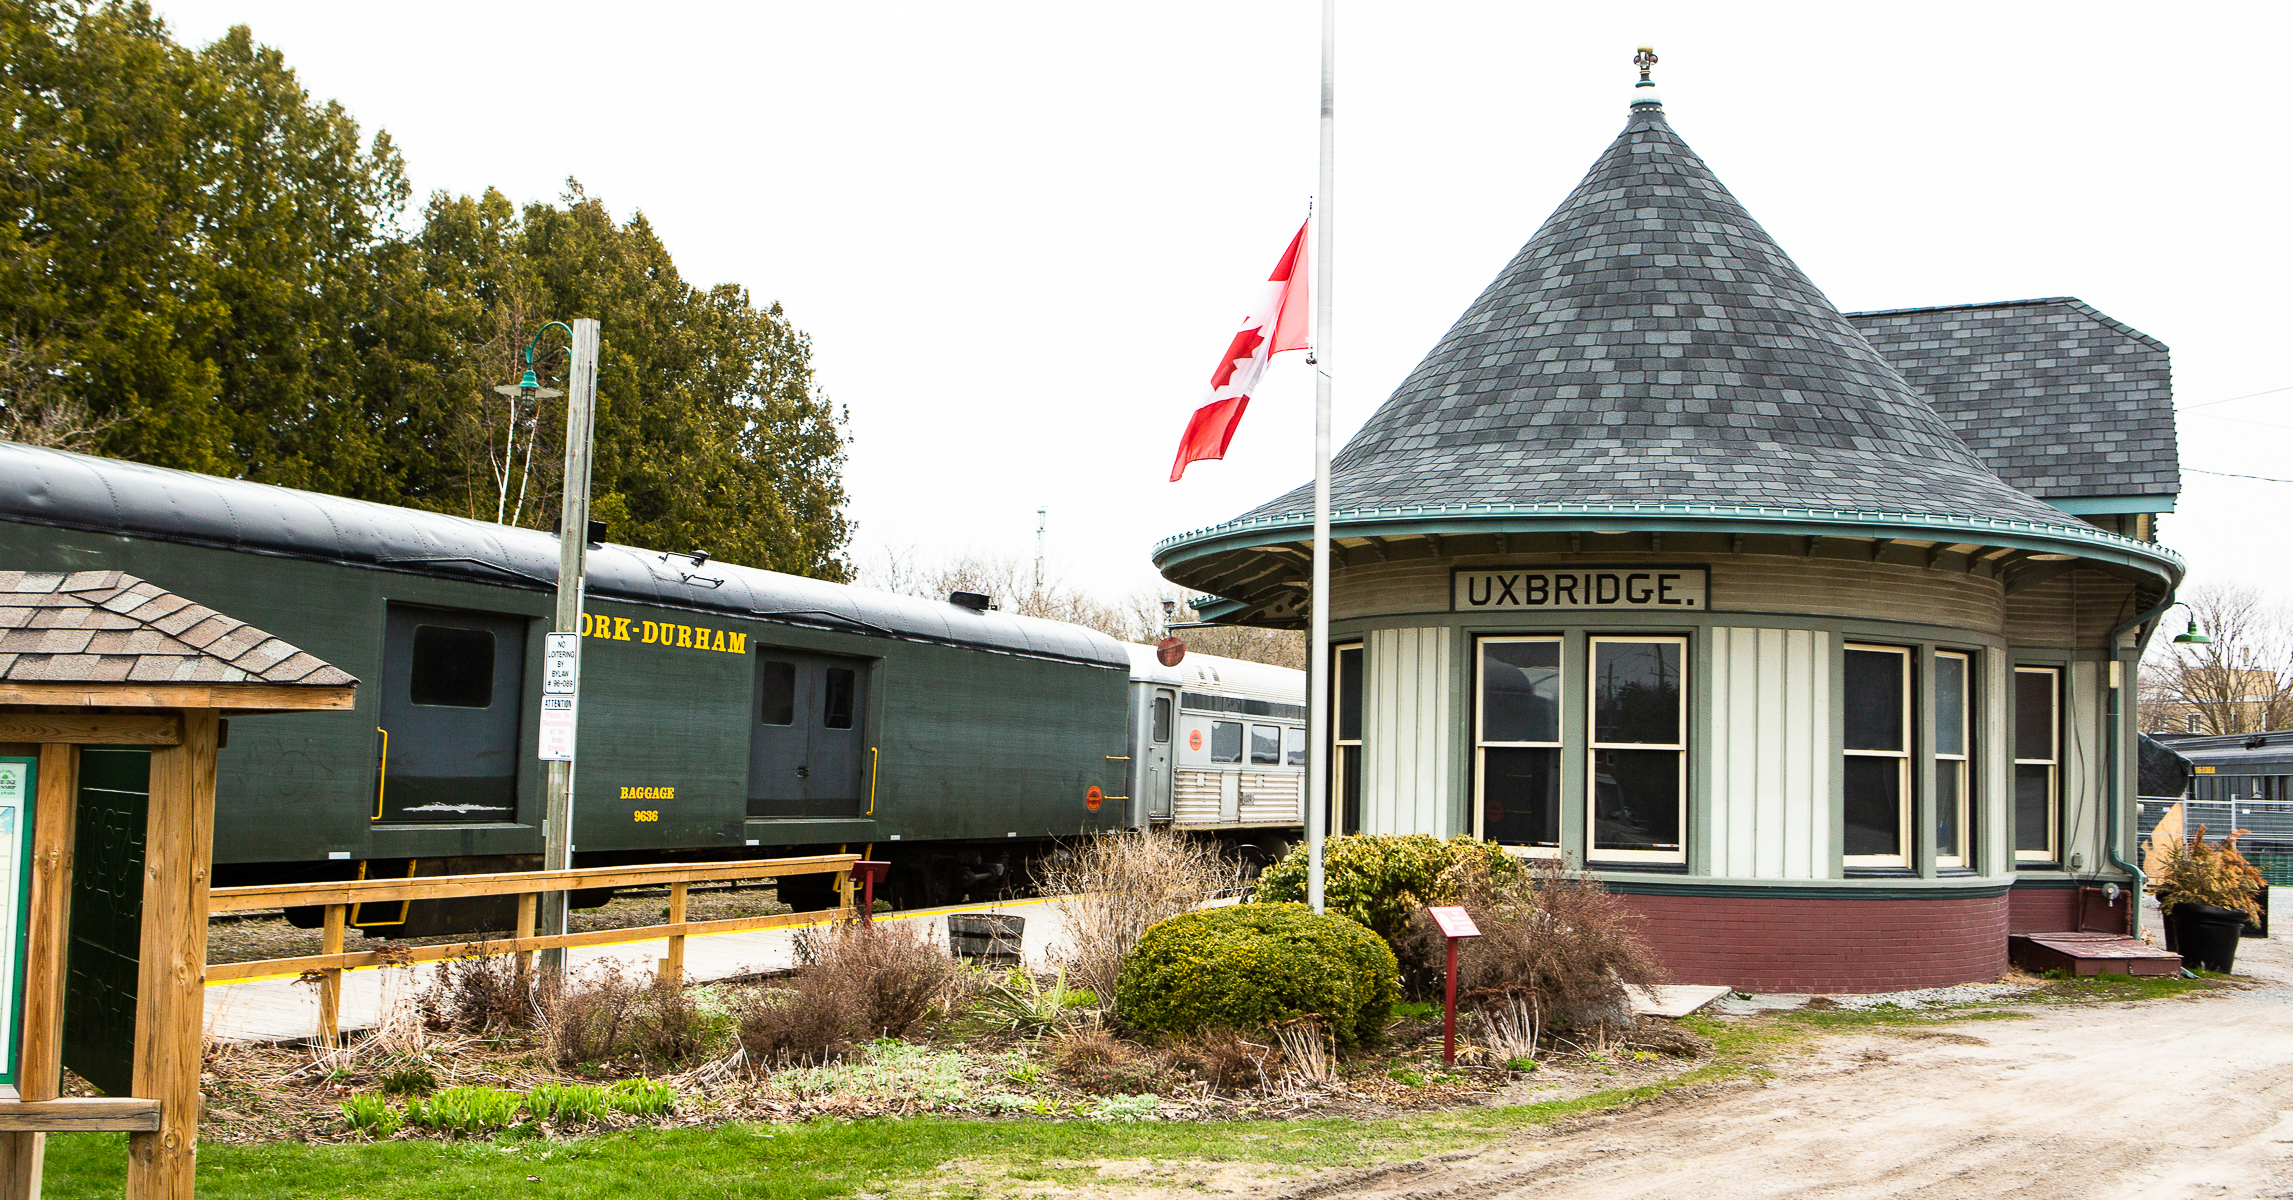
[777,687]
[1226,741]
[836,713]
[1266,744]
[452,668]
[1294,746]
[1161,720]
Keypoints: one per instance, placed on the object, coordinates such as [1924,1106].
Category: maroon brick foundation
[2059,910]
[1785,943]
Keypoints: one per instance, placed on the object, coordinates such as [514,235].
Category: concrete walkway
[281,1009]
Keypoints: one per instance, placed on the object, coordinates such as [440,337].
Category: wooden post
[844,895]
[39,1071]
[673,967]
[179,846]
[529,907]
[330,988]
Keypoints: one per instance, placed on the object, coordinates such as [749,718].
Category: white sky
[1019,234]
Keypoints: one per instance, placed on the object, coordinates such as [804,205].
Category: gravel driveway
[2177,1098]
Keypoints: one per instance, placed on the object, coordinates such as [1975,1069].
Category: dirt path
[2168,1099]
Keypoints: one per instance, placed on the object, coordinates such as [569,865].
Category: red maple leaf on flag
[1239,352]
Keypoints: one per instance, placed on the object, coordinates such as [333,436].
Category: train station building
[1813,633]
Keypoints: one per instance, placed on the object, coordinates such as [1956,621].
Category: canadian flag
[1278,324]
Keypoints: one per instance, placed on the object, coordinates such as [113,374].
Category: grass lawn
[825,1159]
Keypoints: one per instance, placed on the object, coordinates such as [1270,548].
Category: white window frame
[1344,750]
[1902,757]
[2053,765]
[1480,760]
[1593,853]
[1954,858]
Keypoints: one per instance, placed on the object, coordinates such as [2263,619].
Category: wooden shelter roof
[108,633]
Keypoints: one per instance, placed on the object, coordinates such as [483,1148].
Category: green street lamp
[2193,637]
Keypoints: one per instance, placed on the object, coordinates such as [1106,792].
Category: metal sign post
[1456,925]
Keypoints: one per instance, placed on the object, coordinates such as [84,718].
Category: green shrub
[470,1111]
[641,1097]
[1253,965]
[409,1077]
[566,1104]
[1385,881]
[372,1116]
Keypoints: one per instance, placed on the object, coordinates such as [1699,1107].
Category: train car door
[453,687]
[1162,719]
[808,749]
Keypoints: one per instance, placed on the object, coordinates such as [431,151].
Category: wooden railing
[338,897]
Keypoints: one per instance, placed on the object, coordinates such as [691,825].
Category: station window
[1876,804]
[1639,753]
[1345,763]
[1162,720]
[843,688]
[452,668]
[776,686]
[1517,742]
[1954,739]
[1226,741]
[2037,764]
[1266,745]
[1294,746]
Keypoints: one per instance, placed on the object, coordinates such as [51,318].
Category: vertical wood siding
[1406,730]
[1768,758]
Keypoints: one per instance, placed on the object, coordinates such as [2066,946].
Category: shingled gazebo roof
[1651,359]
[61,632]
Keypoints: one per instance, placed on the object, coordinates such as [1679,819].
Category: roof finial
[1644,92]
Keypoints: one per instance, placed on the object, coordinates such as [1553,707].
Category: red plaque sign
[1454,922]
[1093,797]
[1170,652]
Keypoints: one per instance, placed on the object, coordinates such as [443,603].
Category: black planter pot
[2205,935]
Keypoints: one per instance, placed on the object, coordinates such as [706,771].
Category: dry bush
[1224,1059]
[480,995]
[590,1014]
[1102,1064]
[1112,887]
[1557,943]
[858,982]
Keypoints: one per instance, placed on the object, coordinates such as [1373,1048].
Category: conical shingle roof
[1652,344]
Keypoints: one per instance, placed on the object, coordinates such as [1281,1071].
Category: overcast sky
[1019,234]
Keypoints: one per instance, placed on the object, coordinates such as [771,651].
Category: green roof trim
[2080,506]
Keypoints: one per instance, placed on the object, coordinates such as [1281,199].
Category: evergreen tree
[206,263]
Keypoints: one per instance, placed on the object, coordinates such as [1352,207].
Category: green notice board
[19,783]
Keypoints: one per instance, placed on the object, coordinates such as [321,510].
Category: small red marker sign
[1454,922]
[1093,797]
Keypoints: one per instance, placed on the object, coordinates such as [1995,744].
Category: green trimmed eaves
[1212,559]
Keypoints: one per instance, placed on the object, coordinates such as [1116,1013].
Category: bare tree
[2241,682]
[1009,583]
[36,410]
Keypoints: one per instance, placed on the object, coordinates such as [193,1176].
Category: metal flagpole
[1318,638]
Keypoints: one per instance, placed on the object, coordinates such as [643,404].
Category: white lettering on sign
[560,663]
[1454,922]
[1656,589]
[557,728]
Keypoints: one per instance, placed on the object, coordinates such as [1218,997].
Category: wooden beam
[92,729]
[234,972]
[179,847]
[510,883]
[263,697]
[80,1114]
[330,988]
[47,924]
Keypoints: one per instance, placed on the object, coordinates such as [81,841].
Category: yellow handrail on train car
[872,763]
[382,773]
[404,906]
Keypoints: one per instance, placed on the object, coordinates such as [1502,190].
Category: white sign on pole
[557,728]
[560,663]
[560,679]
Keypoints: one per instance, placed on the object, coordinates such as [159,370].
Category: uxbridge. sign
[1517,589]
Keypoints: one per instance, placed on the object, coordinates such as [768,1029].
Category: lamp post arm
[529,346]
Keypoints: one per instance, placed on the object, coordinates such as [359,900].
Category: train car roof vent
[2256,743]
[971,600]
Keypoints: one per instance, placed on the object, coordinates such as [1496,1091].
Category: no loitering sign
[560,686]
